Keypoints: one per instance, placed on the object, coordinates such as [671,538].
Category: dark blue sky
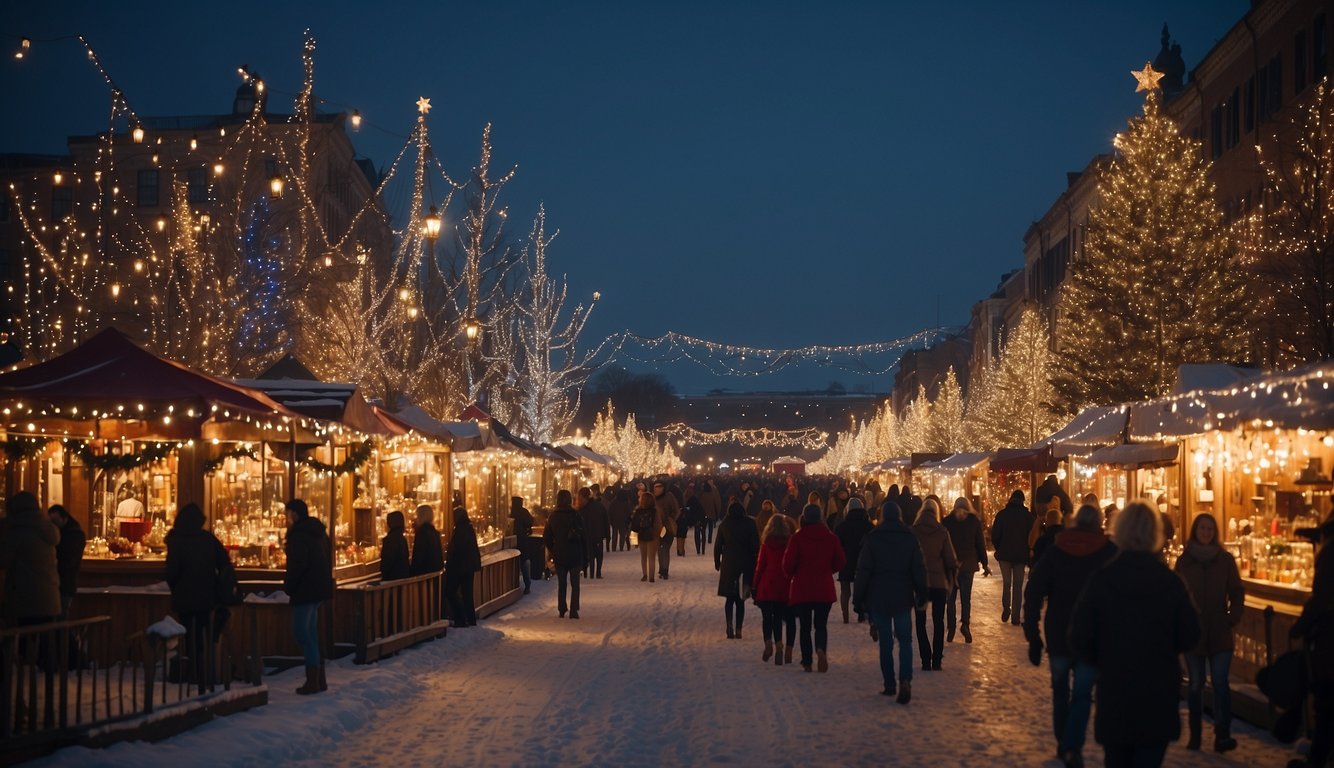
[775,174]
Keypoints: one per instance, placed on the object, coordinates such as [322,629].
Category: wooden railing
[393,615]
[54,688]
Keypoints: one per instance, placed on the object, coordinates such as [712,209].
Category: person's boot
[778,655]
[312,682]
[905,692]
[967,636]
[738,630]
[324,684]
[822,661]
[730,632]
[1223,741]
[1195,727]
[787,654]
[769,650]
[949,632]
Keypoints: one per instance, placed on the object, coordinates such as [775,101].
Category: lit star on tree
[424,105]
[1147,78]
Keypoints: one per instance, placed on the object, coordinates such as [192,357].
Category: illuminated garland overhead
[148,453]
[809,438]
[736,360]
[17,447]
[355,458]
[211,465]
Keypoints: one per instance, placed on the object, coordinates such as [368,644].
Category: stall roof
[1038,459]
[1134,455]
[788,460]
[581,452]
[110,370]
[289,382]
[460,436]
[1094,426]
[1286,400]
[959,462]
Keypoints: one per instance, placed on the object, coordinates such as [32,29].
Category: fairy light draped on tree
[1012,405]
[640,454]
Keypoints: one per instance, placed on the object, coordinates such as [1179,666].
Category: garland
[122,462]
[358,456]
[17,448]
[211,465]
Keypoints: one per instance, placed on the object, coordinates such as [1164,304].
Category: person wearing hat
[813,556]
[1315,627]
[850,534]
[965,531]
[890,582]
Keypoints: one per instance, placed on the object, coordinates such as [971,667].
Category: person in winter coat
[890,583]
[712,500]
[309,582]
[965,531]
[1315,627]
[427,554]
[599,527]
[1009,537]
[463,559]
[693,516]
[771,590]
[1214,583]
[199,571]
[812,557]
[1051,490]
[670,511]
[1058,578]
[1132,621]
[69,554]
[565,537]
[647,510]
[28,544]
[941,566]
[734,555]
[1050,528]
[767,510]
[619,502]
[394,562]
[850,534]
[523,531]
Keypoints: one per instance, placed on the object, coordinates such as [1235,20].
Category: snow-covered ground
[646,676]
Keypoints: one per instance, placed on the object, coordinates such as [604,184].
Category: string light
[809,438]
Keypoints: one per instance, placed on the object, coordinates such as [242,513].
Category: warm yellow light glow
[403,294]
[161,224]
[138,265]
[59,177]
[115,290]
[433,223]
[138,134]
[276,187]
[217,169]
[356,120]
[194,143]
[472,330]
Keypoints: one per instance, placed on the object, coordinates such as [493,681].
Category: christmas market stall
[962,474]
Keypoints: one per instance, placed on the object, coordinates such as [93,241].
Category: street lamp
[276,187]
[472,329]
[432,223]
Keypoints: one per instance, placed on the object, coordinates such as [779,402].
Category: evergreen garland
[17,447]
[149,453]
[355,458]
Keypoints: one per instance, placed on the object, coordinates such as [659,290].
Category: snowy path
[647,677]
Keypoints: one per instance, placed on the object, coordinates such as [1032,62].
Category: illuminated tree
[1295,237]
[947,433]
[1159,285]
[1012,407]
[915,424]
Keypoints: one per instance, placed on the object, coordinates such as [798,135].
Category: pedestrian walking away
[813,556]
[1009,538]
[565,537]
[941,565]
[734,555]
[965,531]
[891,582]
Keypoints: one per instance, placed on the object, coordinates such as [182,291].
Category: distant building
[991,321]
[928,367]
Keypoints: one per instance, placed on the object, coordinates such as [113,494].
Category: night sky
[769,174]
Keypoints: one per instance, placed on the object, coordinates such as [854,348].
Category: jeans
[648,556]
[1133,755]
[665,555]
[739,606]
[306,629]
[775,615]
[564,574]
[813,616]
[891,627]
[1070,705]
[932,648]
[963,591]
[1218,674]
[1012,589]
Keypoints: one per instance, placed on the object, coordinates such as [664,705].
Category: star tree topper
[424,104]
[1147,78]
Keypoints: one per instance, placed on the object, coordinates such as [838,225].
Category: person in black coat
[735,549]
[1132,622]
[597,527]
[69,554]
[309,582]
[890,583]
[1051,489]
[427,554]
[566,537]
[462,562]
[394,549]
[523,531]
[1315,627]
[199,572]
[618,517]
[1058,578]
[850,534]
[965,531]
[1009,537]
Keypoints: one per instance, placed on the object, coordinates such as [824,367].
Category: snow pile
[166,629]
[647,677]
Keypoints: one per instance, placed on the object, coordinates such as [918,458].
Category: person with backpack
[566,538]
[645,522]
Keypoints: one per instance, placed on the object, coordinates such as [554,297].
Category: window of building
[1275,85]
[1299,62]
[1250,104]
[1319,48]
[4,207]
[62,202]
[196,185]
[1234,119]
[1216,132]
[148,188]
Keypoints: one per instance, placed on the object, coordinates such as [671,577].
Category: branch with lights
[809,438]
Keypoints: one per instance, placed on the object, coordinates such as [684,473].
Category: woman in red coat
[814,554]
[771,590]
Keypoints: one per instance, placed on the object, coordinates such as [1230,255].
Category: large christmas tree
[1158,285]
[1012,406]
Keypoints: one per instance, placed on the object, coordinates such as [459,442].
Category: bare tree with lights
[1159,284]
